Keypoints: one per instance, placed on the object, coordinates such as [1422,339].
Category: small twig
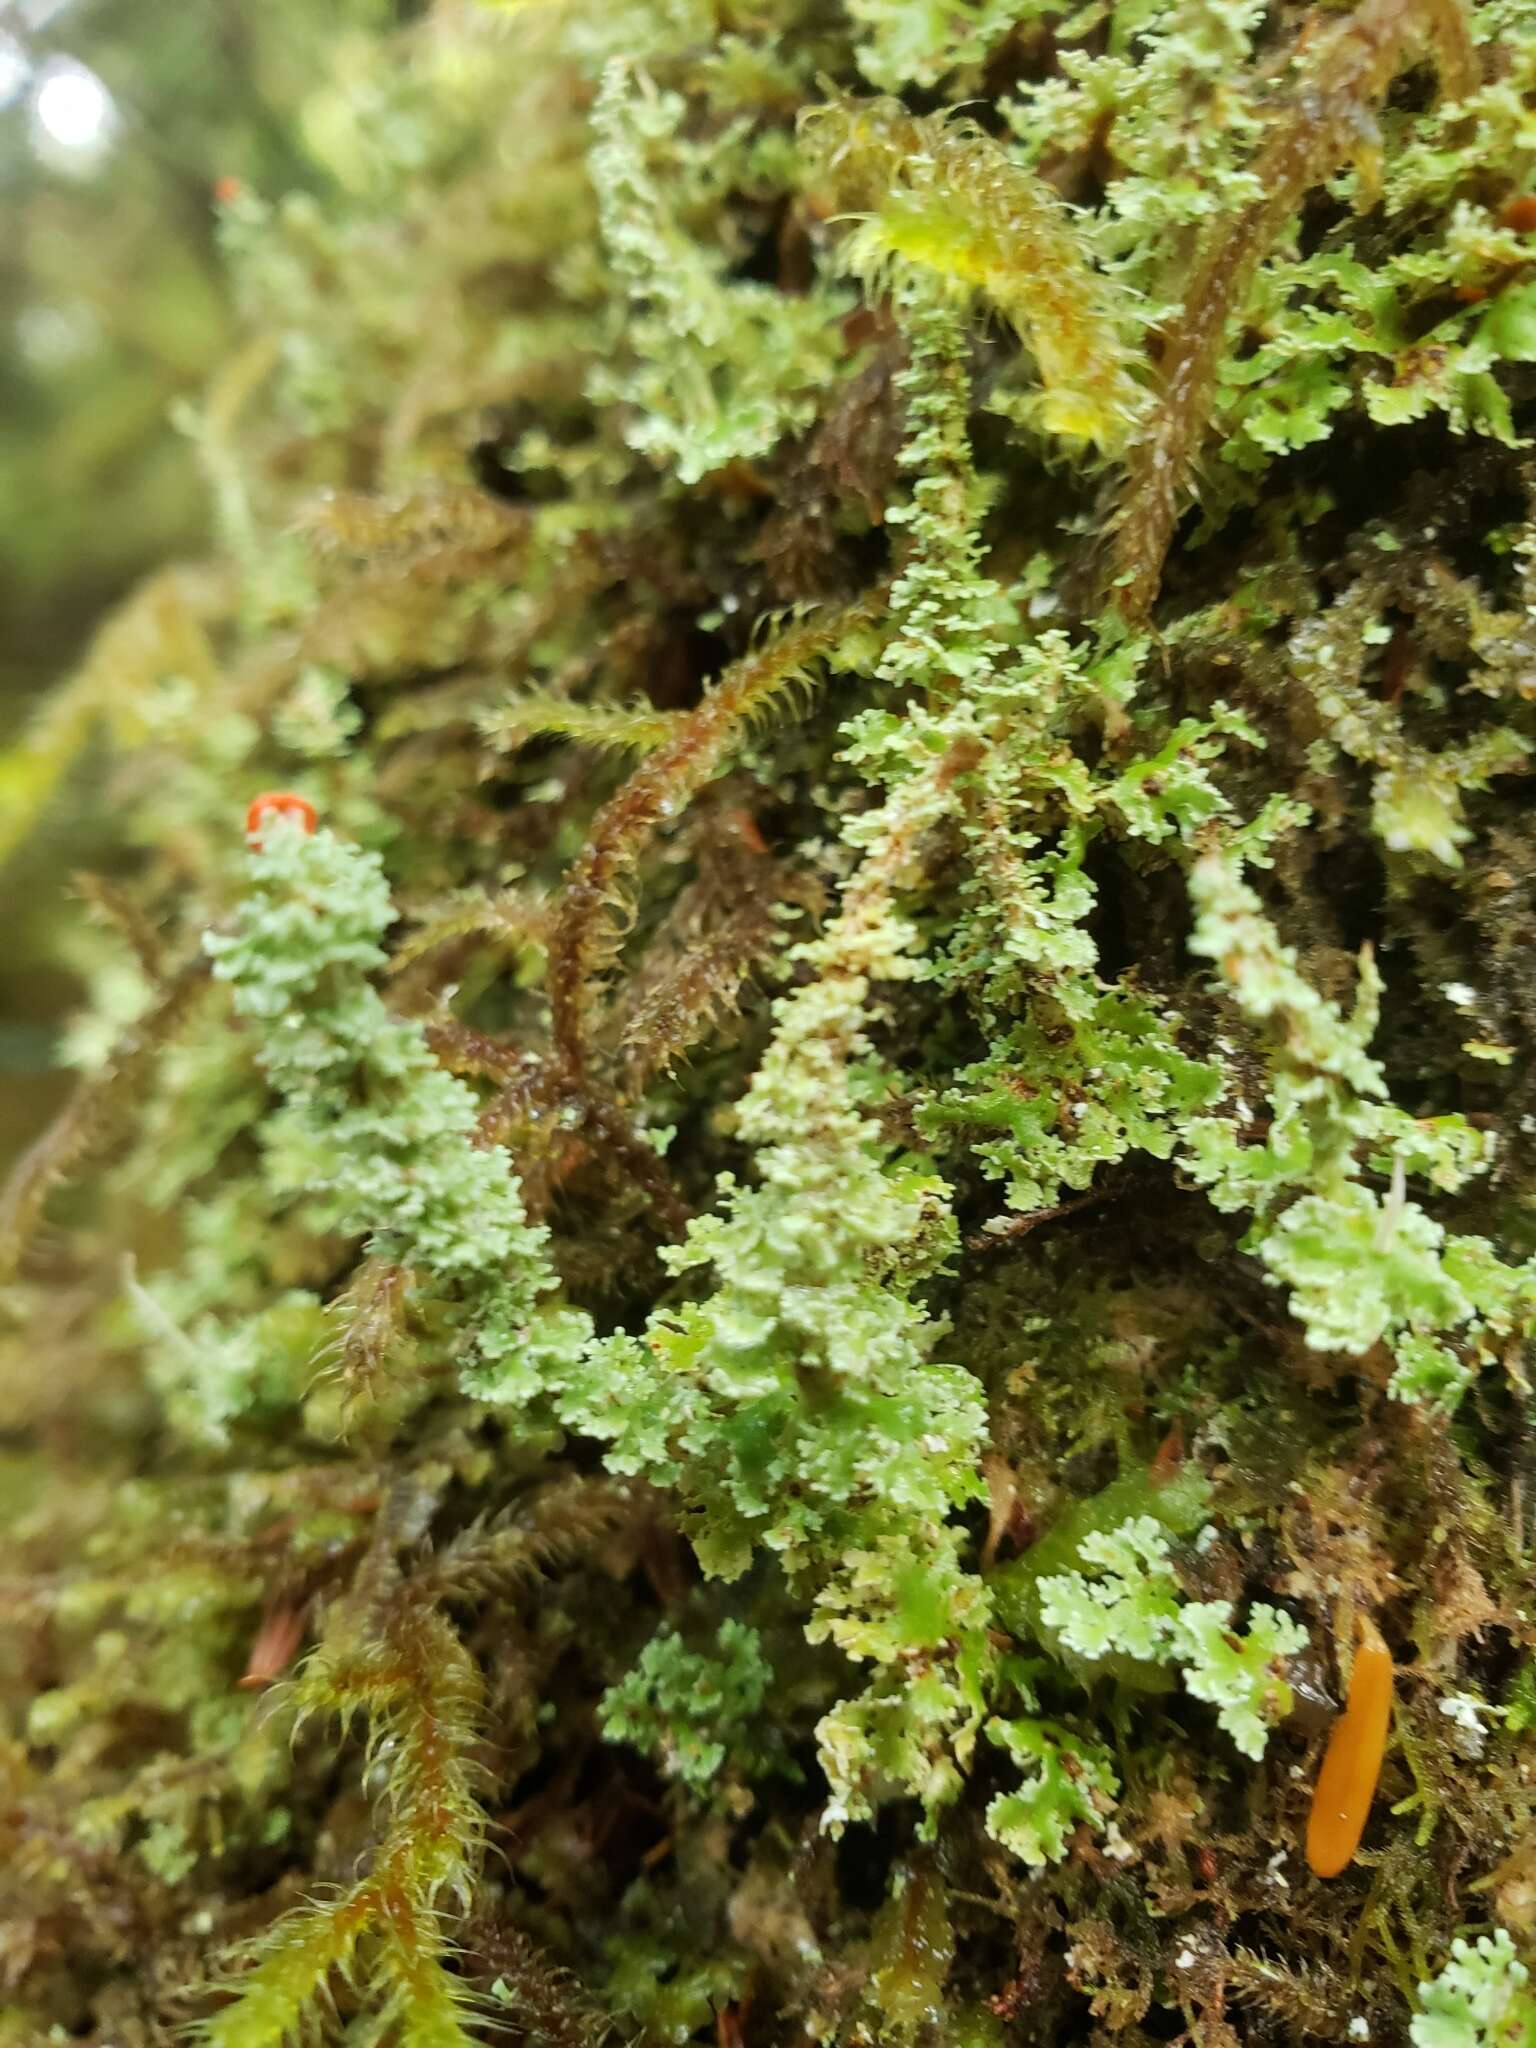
[1021,1226]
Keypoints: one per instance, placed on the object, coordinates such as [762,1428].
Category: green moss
[673,1374]
[688,1707]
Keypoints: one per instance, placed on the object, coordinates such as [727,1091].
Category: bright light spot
[14,68]
[51,337]
[73,111]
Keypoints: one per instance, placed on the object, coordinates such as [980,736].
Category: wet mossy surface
[737,1357]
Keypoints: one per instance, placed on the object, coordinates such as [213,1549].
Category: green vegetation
[1479,1997]
[730,1361]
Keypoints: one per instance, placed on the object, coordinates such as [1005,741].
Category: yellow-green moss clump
[729,1362]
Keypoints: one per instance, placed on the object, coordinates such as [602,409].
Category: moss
[669,1377]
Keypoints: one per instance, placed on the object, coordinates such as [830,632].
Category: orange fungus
[279,803]
[1346,1784]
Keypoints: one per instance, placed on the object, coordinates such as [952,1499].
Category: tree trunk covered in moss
[758,1301]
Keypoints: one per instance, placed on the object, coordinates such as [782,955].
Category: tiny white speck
[1116,1846]
[1463,1711]
[1184,1958]
[1457,992]
[1359,2028]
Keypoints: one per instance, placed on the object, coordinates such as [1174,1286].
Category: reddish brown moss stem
[1348,69]
[718,945]
[536,1098]
[594,908]
[92,1120]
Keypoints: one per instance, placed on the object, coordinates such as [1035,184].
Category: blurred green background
[118,121]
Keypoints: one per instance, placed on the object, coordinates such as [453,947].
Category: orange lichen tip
[278,803]
[1346,1784]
